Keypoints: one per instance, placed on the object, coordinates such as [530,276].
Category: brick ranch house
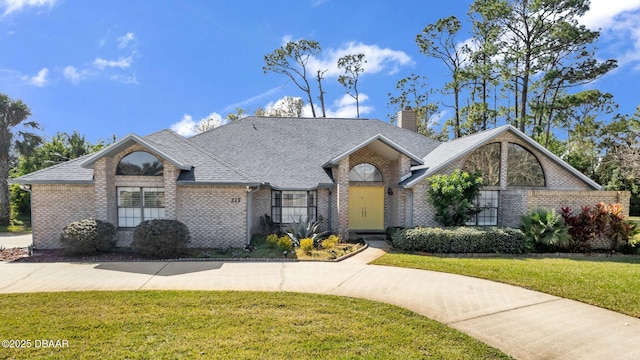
[359,175]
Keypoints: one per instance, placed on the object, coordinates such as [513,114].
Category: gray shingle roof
[288,153]
[206,167]
[68,172]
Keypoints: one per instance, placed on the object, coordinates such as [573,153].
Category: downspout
[249,209]
[410,195]
[27,188]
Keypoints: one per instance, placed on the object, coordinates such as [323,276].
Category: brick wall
[214,220]
[575,199]
[55,206]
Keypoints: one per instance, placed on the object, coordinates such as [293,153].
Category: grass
[608,282]
[222,325]
[20,224]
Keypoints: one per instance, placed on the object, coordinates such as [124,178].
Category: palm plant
[545,227]
[12,114]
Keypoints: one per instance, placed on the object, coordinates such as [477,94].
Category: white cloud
[72,74]
[39,80]
[602,12]
[122,62]
[619,22]
[378,59]
[343,107]
[17,5]
[123,41]
[188,127]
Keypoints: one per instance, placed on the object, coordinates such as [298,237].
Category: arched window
[523,168]
[140,163]
[487,160]
[365,172]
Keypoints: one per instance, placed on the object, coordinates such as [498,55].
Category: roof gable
[382,143]
[451,151]
[130,140]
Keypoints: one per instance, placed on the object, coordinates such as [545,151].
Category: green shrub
[461,240]
[452,196]
[160,238]
[306,245]
[88,236]
[284,243]
[543,227]
[392,230]
[330,242]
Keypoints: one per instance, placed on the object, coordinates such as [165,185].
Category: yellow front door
[366,208]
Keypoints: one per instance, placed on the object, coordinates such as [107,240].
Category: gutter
[249,208]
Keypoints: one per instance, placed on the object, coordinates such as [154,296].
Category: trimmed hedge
[461,240]
[161,238]
[88,236]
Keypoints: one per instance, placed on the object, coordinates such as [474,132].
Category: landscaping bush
[87,236]
[160,238]
[272,241]
[461,240]
[392,230]
[330,242]
[285,243]
[452,196]
[602,225]
[306,245]
[544,229]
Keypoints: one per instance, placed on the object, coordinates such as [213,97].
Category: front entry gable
[380,145]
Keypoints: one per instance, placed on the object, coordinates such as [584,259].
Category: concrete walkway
[523,323]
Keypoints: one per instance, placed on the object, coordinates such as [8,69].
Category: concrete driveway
[523,323]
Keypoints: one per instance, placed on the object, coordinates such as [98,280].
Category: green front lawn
[224,325]
[609,282]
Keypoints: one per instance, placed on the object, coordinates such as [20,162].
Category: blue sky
[119,67]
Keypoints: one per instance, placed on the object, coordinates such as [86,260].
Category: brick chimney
[407,119]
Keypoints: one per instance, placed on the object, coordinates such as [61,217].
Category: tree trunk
[525,90]
[456,95]
[5,203]
[321,94]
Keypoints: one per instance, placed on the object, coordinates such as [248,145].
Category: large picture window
[291,206]
[136,204]
[140,163]
[487,160]
[488,201]
[523,168]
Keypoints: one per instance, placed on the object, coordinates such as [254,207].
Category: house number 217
[235,200]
